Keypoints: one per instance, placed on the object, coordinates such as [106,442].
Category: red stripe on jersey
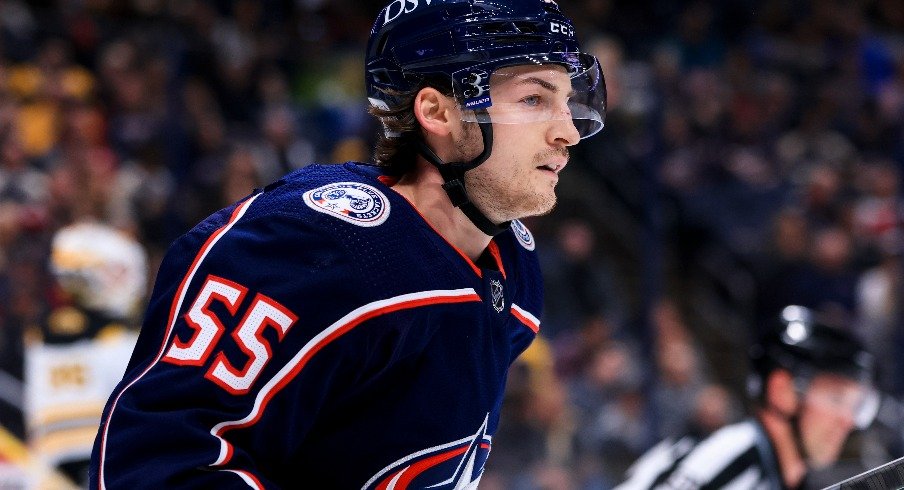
[413,471]
[388,181]
[202,253]
[494,251]
[333,332]
[530,321]
[178,298]
[385,483]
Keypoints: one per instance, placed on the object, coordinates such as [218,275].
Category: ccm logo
[559,28]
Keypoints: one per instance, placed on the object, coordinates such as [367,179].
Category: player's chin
[542,205]
[825,456]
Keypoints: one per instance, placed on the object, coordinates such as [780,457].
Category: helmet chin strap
[453,174]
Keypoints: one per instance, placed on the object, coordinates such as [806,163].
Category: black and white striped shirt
[735,457]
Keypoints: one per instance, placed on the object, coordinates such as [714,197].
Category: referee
[811,384]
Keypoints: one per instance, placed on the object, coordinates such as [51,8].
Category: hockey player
[81,352]
[812,386]
[351,326]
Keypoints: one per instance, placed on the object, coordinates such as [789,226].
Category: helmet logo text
[560,28]
[398,7]
[474,90]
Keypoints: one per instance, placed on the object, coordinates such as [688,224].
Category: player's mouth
[552,168]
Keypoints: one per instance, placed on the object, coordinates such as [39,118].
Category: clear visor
[859,402]
[536,89]
[867,409]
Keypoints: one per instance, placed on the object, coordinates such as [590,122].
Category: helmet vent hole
[525,28]
[381,45]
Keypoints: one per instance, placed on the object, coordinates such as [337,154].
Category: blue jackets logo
[359,204]
[457,465]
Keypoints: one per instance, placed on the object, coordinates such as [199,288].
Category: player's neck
[424,189]
[791,463]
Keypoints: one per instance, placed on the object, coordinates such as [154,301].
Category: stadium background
[752,157]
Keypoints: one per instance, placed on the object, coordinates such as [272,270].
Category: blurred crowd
[752,158]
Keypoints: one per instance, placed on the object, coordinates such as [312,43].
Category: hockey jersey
[320,334]
[67,384]
[78,355]
[735,457]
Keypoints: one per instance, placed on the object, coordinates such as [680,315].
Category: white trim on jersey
[435,449]
[344,324]
[180,294]
[245,476]
[532,321]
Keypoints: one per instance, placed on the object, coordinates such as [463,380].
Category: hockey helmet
[467,45]
[805,346]
[101,268]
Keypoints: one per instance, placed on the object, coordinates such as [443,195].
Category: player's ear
[781,392]
[434,111]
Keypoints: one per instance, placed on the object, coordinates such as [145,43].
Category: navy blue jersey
[320,334]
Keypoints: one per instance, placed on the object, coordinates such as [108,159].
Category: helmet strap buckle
[455,189]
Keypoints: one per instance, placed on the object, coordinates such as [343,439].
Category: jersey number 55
[207,329]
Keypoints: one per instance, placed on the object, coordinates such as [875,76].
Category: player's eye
[531,100]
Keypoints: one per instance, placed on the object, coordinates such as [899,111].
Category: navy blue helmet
[463,42]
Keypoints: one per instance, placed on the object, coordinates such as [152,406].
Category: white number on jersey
[264,312]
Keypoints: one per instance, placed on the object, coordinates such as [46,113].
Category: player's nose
[564,131]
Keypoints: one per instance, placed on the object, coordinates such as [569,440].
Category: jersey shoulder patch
[357,203]
[524,236]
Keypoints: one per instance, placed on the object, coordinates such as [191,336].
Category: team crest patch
[357,203]
[497,296]
[524,236]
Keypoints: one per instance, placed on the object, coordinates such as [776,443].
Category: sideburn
[470,145]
